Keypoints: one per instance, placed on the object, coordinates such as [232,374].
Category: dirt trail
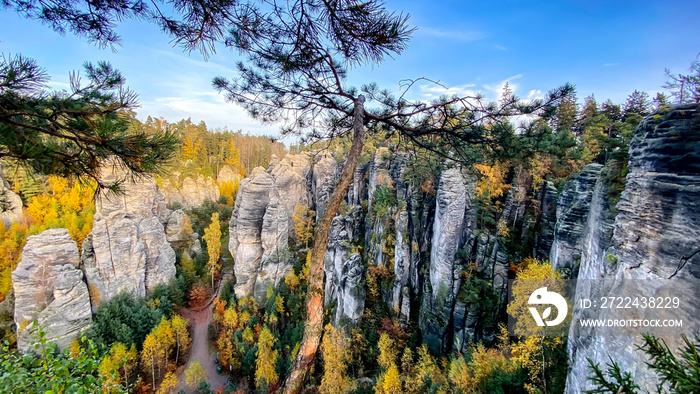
[200,349]
[199,321]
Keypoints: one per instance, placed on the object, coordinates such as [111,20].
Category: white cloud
[434,90]
[208,107]
[497,89]
[499,47]
[534,94]
[458,35]
[610,64]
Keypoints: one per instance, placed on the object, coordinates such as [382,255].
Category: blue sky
[609,48]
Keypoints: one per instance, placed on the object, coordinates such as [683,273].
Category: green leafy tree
[69,373]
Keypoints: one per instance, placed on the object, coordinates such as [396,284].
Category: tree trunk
[313,328]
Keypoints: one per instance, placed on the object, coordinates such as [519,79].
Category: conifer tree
[74,133]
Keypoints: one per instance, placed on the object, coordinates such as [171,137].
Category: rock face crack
[656,228]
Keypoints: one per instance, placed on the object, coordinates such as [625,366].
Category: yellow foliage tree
[389,382]
[334,349]
[195,374]
[266,360]
[169,384]
[212,236]
[491,182]
[182,336]
[188,265]
[165,337]
[468,377]
[534,342]
[151,354]
[303,220]
[229,190]
[190,147]
[387,351]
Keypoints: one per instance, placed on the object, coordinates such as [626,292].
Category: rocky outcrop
[196,191]
[572,212]
[179,234]
[259,233]
[192,192]
[10,204]
[228,174]
[547,197]
[291,174]
[49,290]
[325,170]
[128,249]
[653,243]
[454,197]
[344,271]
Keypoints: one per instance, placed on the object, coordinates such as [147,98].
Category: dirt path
[200,349]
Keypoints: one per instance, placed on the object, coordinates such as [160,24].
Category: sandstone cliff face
[325,170]
[344,270]
[259,231]
[454,195]
[228,174]
[193,192]
[572,211]
[10,204]
[291,176]
[654,242]
[49,289]
[128,249]
[547,197]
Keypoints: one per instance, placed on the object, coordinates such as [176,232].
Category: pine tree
[637,103]
[75,133]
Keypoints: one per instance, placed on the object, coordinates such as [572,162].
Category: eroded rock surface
[454,195]
[49,289]
[572,212]
[344,271]
[259,233]
[654,243]
[10,204]
[128,250]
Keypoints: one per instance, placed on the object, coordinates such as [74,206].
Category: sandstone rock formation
[49,289]
[344,271]
[548,202]
[454,195]
[259,233]
[10,204]
[653,243]
[128,249]
[572,211]
[291,177]
[228,174]
[325,170]
[192,192]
